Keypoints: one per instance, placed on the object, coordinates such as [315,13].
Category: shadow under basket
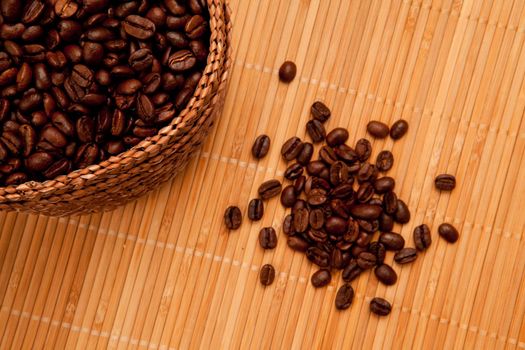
[153,161]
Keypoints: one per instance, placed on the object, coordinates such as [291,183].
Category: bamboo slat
[164,273]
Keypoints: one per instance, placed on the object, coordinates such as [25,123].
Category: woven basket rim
[27,190]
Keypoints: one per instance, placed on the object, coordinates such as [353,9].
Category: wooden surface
[164,273]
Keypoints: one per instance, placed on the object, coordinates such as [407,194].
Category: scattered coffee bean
[422,237]
[293,171]
[288,196]
[301,220]
[261,146]
[337,137]
[269,189]
[402,215]
[366,260]
[268,238]
[380,306]
[448,232]
[233,218]
[379,250]
[306,154]
[386,274]
[267,275]
[297,243]
[320,112]
[255,209]
[321,278]
[344,297]
[445,182]
[287,72]
[384,161]
[363,148]
[405,255]
[392,240]
[377,129]
[352,271]
[292,148]
[316,130]
[398,129]
[384,184]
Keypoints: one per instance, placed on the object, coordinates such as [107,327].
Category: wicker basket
[155,160]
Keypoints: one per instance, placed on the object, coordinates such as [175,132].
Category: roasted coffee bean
[196,27]
[315,167]
[316,130]
[269,189]
[288,196]
[384,184]
[363,149]
[287,72]
[352,271]
[261,146]
[386,274]
[379,250]
[11,9]
[299,184]
[318,256]
[53,136]
[343,191]
[344,297]
[367,173]
[16,179]
[378,129]
[402,214]
[380,306]
[365,211]
[365,192]
[255,209]
[392,241]
[62,166]
[321,278]
[233,218]
[422,237]
[352,233]
[398,129]
[288,225]
[366,260]
[336,226]
[386,222]
[138,27]
[405,256]
[306,154]
[297,243]
[346,154]
[39,161]
[448,232]
[336,137]
[315,182]
[317,196]
[299,204]
[445,182]
[316,219]
[293,171]
[28,139]
[384,161]
[267,275]
[339,208]
[320,111]
[390,203]
[338,173]
[300,220]
[292,148]
[268,238]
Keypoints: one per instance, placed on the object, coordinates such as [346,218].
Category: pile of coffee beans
[83,80]
[343,206]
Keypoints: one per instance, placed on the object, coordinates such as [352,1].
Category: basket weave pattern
[131,174]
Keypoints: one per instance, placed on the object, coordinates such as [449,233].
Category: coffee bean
[293,171]
[366,260]
[297,243]
[61,166]
[336,137]
[138,27]
[288,196]
[300,220]
[384,184]
[344,297]
[267,275]
[405,256]
[315,167]
[402,214]
[316,130]
[448,232]
[261,146]
[390,203]
[316,219]
[363,149]
[398,129]
[306,154]
[422,237]
[346,153]
[196,27]
[299,184]
[380,306]
[292,148]
[268,238]
[338,173]
[318,256]
[379,250]
[445,182]
[255,209]
[386,222]
[352,271]
[269,189]
[386,274]
[378,129]
[392,241]
[367,173]
[320,111]
[317,197]
[287,71]
[233,218]
[336,226]
[11,9]
[365,211]
[384,161]
[288,228]
[321,278]
[365,192]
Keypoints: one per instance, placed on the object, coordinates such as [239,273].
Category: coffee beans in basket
[343,207]
[81,81]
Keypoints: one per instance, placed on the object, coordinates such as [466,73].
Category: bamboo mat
[163,273]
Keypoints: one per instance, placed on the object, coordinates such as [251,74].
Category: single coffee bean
[445,182]
[367,173]
[336,137]
[267,275]
[300,204]
[299,184]
[288,228]
[306,154]
[11,9]
[386,274]
[268,238]
[405,256]
[422,237]
[318,256]
[293,171]
[380,306]
[366,260]
[62,166]
[233,218]
[338,173]
[390,203]
[316,130]
[339,208]
[196,27]
[16,179]
[344,297]
[365,211]
[261,146]
[392,240]
[336,260]
[346,153]
[377,129]
[402,214]
[315,167]
[321,278]
[448,232]
[288,196]
[317,197]
[363,148]
[384,161]
[352,271]
[398,129]
[343,191]
[379,250]
[292,148]
[384,184]
[300,220]
[336,226]
[255,209]
[320,111]
[287,72]
[138,27]
[386,222]
[365,192]
[297,243]
[269,189]
[316,219]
